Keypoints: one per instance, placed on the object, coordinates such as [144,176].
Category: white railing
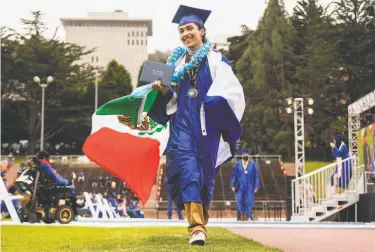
[369,182]
[315,187]
[257,158]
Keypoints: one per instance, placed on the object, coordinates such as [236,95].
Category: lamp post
[299,130]
[43,86]
[299,139]
[96,89]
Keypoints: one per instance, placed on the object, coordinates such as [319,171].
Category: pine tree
[115,82]
[266,70]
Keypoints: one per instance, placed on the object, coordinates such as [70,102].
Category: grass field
[58,238]
[312,166]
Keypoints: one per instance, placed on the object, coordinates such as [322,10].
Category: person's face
[190,36]
[246,155]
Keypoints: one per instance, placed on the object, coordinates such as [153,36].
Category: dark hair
[43,155]
[200,27]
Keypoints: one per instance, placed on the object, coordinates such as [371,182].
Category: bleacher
[89,173]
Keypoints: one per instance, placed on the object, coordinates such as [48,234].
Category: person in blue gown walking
[203,106]
[245,183]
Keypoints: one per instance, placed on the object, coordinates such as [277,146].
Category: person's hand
[156,85]
[332,144]
[255,190]
[233,189]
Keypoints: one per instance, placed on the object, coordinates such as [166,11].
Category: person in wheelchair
[43,158]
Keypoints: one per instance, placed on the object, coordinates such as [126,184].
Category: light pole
[299,139]
[96,89]
[299,130]
[43,86]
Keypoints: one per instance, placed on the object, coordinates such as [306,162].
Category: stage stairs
[315,199]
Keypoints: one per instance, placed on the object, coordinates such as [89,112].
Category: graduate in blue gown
[343,171]
[203,106]
[245,183]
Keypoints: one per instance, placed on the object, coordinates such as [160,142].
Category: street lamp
[299,145]
[43,86]
[299,135]
[96,89]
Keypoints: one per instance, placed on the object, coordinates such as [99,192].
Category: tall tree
[31,54]
[115,82]
[319,74]
[266,70]
[356,48]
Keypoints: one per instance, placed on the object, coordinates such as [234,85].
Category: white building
[220,41]
[114,35]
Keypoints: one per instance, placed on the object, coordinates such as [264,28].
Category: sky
[226,18]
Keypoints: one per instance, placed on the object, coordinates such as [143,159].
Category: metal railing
[315,187]
[268,210]
[369,182]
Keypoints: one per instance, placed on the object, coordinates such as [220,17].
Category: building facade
[114,36]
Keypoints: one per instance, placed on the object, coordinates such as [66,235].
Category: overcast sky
[226,18]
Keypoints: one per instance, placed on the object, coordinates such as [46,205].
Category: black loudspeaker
[289,196]
[366,207]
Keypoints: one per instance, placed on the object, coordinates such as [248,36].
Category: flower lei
[195,61]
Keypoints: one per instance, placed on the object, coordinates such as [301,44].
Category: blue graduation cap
[338,138]
[186,14]
[246,151]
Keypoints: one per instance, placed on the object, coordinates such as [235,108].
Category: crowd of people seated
[125,203]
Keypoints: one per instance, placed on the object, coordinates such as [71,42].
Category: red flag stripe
[133,159]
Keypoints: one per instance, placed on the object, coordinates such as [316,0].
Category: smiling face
[190,35]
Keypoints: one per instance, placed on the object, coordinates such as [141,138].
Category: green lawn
[58,238]
[312,166]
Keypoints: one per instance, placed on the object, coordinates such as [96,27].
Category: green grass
[312,166]
[62,238]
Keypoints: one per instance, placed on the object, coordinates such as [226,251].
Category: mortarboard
[186,14]
[338,138]
[246,151]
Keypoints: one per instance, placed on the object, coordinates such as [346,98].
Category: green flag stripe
[127,105]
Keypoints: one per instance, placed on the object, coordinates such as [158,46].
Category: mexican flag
[126,142]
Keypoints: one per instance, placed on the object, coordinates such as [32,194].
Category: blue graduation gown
[191,155]
[245,183]
[346,170]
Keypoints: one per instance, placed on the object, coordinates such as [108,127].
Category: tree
[266,70]
[115,82]
[356,48]
[237,46]
[139,75]
[319,73]
[159,56]
[31,54]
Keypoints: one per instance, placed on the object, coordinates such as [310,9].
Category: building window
[132,42]
[141,42]
[145,42]
[92,59]
[137,34]
[137,41]
[97,59]
[132,33]
[128,42]
[128,34]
